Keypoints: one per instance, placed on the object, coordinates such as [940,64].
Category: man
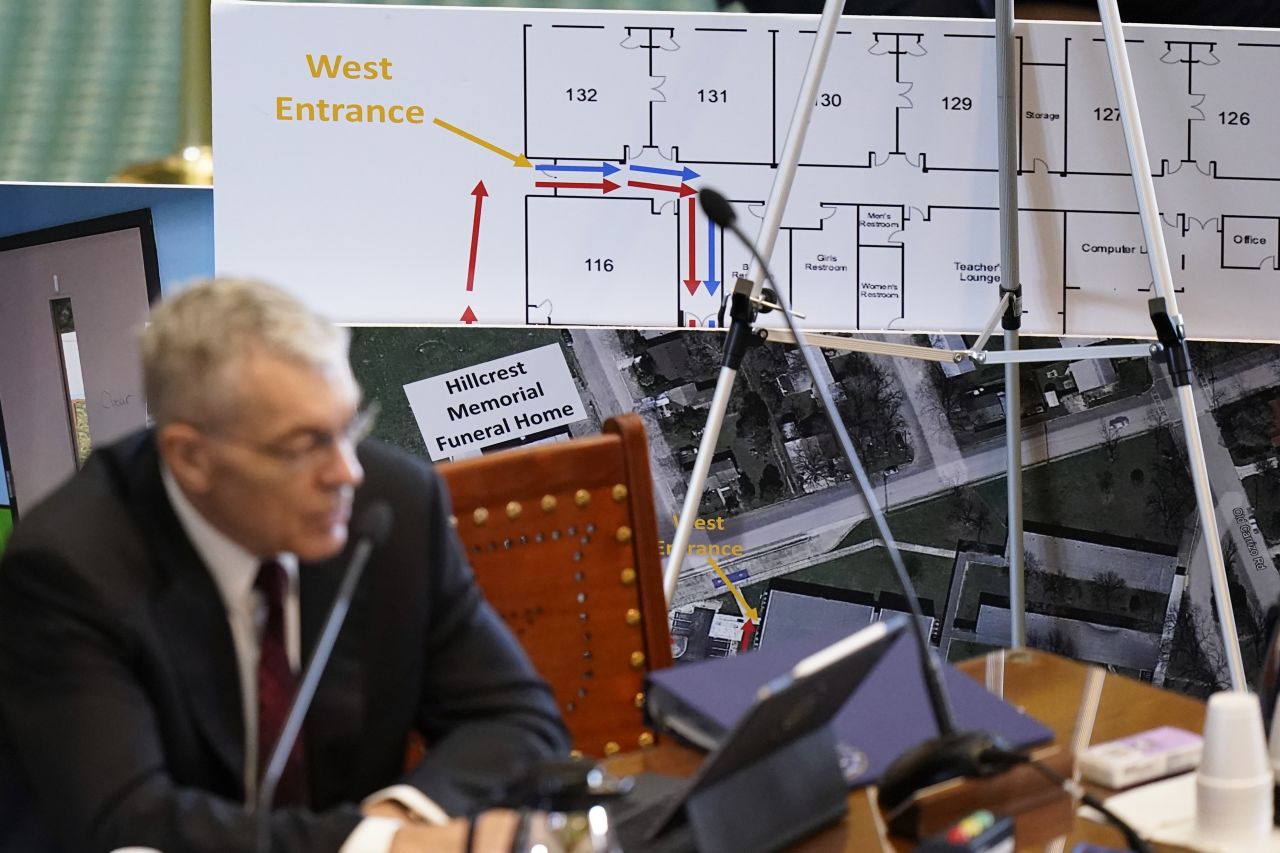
[155,611]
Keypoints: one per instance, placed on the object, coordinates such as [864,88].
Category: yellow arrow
[520,160]
[747,611]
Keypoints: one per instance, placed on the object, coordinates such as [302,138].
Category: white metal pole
[794,144]
[1011,288]
[1162,280]
[698,480]
[765,240]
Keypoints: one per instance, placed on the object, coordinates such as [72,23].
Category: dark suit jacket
[119,688]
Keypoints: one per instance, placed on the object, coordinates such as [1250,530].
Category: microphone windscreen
[716,207]
[374,523]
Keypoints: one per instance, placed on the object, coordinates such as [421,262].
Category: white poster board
[514,166]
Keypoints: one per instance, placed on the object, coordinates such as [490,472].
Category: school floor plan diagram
[545,168]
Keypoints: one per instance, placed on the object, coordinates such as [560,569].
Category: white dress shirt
[234,571]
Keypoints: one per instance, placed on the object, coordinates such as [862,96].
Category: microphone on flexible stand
[369,531]
[952,753]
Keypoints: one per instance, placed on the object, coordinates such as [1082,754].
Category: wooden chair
[564,542]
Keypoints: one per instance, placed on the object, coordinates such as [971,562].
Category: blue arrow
[712,282]
[605,169]
[685,174]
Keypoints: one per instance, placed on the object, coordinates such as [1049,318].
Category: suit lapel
[194,623]
[334,726]
[317,586]
[191,617]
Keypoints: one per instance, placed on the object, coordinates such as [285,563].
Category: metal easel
[1170,333]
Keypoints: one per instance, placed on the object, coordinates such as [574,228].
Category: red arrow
[480,193]
[692,281]
[683,189]
[468,316]
[605,186]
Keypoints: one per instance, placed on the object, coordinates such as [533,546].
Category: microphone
[719,211]
[369,530]
[952,753]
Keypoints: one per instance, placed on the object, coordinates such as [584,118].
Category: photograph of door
[74,299]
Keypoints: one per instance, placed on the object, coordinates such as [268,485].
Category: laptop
[788,712]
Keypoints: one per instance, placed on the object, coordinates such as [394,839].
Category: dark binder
[775,776]
[885,716]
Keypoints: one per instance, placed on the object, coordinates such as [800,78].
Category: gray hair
[193,339]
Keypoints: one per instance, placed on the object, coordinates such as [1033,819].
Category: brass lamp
[192,163]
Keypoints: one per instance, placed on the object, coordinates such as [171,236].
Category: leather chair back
[563,540]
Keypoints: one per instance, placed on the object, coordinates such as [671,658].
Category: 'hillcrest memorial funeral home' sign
[462,412]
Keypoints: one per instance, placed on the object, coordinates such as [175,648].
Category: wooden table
[1052,689]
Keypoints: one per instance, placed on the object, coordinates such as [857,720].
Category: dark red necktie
[276,686]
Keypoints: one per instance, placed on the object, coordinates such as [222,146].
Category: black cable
[1135,841]
[720,212]
[520,840]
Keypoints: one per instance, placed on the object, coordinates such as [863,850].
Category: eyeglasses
[307,448]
